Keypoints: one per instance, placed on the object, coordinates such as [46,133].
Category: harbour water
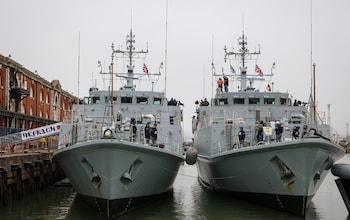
[188,201]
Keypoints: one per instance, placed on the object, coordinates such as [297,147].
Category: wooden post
[29,169]
[3,187]
[17,181]
[39,164]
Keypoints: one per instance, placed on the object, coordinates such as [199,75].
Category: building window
[23,111]
[41,96]
[25,85]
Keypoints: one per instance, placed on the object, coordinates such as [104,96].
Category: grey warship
[105,150]
[281,171]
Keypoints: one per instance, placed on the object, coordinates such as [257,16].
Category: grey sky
[43,35]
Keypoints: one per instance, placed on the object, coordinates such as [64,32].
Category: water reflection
[51,203]
[327,203]
[187,201]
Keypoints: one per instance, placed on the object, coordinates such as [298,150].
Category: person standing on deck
[154,134]
[148,132]
[296,132]
[133,129]
[226,83]
[304,131]
[260,135]
[220,83]
[279,131]
[241,136]
[204,102]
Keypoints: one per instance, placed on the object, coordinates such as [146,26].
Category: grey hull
[117,207]
[116,175]
[282,175]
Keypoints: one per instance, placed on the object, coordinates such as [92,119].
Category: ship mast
[112,81]
[243,54]
[130,54]
[314,98]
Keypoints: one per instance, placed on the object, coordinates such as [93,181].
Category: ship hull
[284,175]
[116,176]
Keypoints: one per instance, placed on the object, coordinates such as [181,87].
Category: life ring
[107,133]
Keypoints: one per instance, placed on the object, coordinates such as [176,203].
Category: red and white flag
[258,70]
[145,69]
[268,87]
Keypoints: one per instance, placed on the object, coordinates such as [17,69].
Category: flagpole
[78,62]
[212,63]
[203,80]
[314,76]
[313,66]
[166,47]
[311,59]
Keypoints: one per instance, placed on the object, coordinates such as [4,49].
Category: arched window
[41,96]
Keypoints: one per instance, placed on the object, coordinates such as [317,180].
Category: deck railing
[94,131]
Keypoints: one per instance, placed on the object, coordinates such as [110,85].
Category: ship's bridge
[251,98]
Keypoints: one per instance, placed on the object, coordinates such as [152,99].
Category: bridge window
[239,101]
[126,100]
[157,101]
[254,101]
[269,101]
[108,99]
[142,100]
[96,100]
[223,101]
[87,100]
[283,101]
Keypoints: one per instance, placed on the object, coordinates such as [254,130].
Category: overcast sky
[43,35]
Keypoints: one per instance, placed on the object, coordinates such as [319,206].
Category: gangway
[30,139]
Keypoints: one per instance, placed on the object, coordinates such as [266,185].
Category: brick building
[27,100]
